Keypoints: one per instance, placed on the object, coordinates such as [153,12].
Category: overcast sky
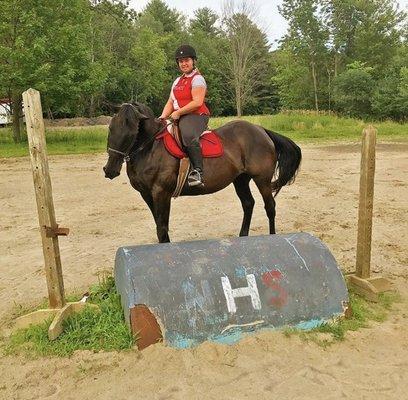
[274,25]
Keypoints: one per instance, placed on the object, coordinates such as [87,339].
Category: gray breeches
[191,127]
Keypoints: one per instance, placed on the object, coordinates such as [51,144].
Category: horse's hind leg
[241,184]
[265,188]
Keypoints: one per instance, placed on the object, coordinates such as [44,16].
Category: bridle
[126,154]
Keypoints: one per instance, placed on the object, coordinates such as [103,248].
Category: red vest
[182,93]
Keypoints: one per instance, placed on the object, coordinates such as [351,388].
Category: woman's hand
[175,115]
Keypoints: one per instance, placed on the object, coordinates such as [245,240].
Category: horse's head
[123,134]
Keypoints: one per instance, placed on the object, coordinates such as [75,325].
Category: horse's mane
[142,127]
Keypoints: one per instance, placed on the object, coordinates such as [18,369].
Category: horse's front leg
[161,213]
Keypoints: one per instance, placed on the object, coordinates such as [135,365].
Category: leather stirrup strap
[184,168]
[177,135]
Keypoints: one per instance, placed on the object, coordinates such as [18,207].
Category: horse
[250,152]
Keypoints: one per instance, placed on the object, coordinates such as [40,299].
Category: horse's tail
[289,157]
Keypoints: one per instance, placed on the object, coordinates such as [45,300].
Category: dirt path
[103,215]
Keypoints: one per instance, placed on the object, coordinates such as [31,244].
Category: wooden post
[361,281]
[50,231]
[365,208]
[43,194]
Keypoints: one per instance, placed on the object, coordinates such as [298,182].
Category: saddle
[210,143]
[211,147]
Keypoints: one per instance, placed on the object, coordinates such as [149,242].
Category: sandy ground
[102,215]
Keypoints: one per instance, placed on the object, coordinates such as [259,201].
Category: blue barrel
[189,292]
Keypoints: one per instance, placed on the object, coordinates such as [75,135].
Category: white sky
[274,25]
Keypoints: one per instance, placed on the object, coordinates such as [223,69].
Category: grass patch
[72,140]
[364,312]
[103,329]
[314,127]
[298,125]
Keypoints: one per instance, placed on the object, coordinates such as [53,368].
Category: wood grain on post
[365,210]
[43,193]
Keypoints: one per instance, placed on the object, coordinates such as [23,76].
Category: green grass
[314,127]
[103,329]
[73,140]
[363,313]
[302,126]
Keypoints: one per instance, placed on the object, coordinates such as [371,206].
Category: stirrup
[195,178]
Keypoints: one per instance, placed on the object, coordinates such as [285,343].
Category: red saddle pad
[211,145]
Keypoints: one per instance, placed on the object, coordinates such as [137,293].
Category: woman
[186,104]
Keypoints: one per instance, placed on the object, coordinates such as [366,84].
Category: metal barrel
[189,292]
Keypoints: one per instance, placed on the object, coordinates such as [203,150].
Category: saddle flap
[210,142]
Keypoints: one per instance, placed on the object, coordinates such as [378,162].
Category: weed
[363,312]
[103,329]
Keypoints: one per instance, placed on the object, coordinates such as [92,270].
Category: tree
[403,93]
[148,62]
[354,89]
[170,24]
[209,42]
[307,37]
[205,21]
[171,20]
[43,45]
[293,80]
[390,99]
[247,55]
[367,31]
[112,35]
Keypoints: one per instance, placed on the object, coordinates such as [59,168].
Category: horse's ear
[140,115]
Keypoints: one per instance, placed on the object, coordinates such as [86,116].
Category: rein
[126,154]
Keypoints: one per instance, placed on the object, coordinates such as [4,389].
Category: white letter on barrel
[250,290]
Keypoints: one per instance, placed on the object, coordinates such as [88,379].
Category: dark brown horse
[250,152]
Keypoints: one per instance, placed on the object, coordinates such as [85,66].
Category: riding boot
[195,177]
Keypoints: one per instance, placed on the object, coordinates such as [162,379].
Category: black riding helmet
[185,51]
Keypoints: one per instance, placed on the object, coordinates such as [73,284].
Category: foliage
[363,313]
[245,57]
[353,90]
[302,126]
[43,45]
[205,21]
[307,38]
[103,329]
[210,43]
[324,38]
[293,80]
[87,56]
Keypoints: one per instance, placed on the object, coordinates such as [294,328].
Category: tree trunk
[92,107]
[238,101]
[315,86]
[336,59]
[329,94]
[17,114]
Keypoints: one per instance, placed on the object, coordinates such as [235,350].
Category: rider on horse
[186,104]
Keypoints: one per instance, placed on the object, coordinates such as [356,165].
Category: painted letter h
[250,290]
